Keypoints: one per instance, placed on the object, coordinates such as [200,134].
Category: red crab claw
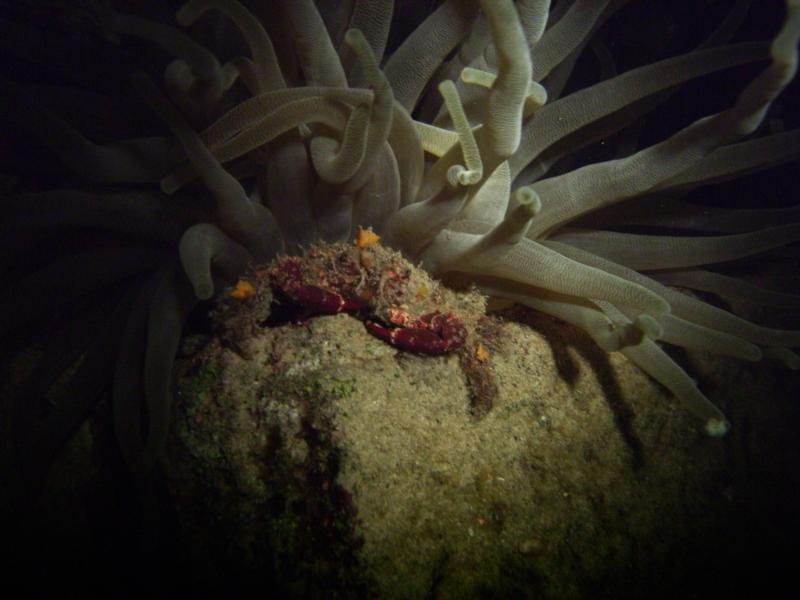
[322,301]
[448,327]
[413,339]
[433,333]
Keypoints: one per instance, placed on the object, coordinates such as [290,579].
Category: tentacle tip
[230,73]
[789,359]
[454,175]
[537,94]
[661,307]
[526,197]
[169,185]
[179,72]
[792,361]
[304,131]
[717,427]
[754,355]
[204,291]
[187,14]
[477,77]
[354,38]
[469,176]
[649,327]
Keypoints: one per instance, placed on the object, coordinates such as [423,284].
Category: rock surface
[330,462]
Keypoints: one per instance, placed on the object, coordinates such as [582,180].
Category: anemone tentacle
[319,123]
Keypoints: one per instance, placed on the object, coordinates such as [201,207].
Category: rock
[329,463]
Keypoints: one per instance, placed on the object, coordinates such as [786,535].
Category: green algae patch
[200,382]
[314,389]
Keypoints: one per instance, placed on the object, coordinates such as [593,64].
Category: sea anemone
[470,147]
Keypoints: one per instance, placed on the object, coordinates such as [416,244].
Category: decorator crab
[397,302]
[371,281]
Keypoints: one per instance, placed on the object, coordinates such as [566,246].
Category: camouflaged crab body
[397,306]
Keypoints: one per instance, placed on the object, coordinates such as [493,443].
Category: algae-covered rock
[311,459]
[330,464]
